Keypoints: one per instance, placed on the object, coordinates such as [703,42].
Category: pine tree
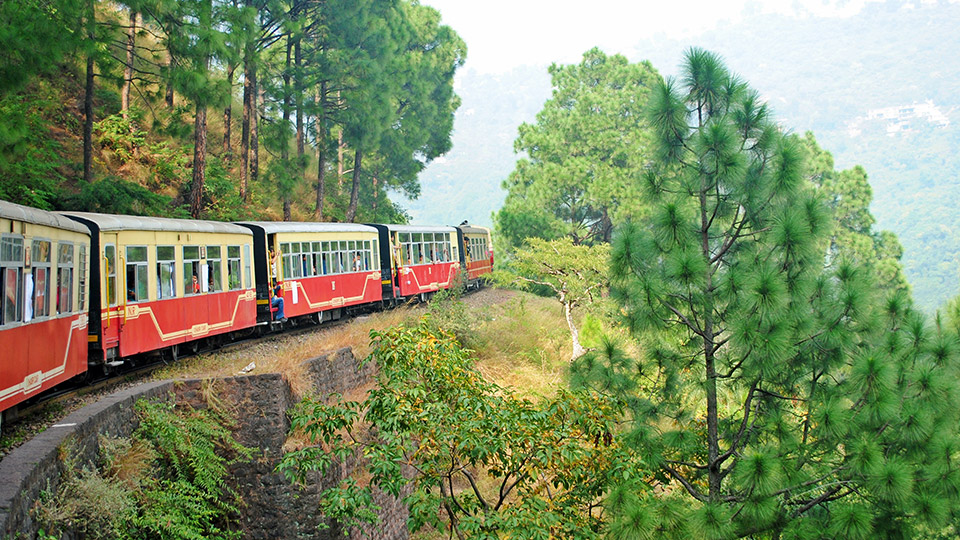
[776,396]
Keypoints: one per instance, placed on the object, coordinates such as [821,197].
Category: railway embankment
[272,508]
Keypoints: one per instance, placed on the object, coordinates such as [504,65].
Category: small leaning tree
[776,397]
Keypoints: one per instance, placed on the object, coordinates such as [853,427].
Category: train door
[110,316]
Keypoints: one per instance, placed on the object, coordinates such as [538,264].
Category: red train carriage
[159,283]
[43,302]
[477,253]
[322,268]
[422,260]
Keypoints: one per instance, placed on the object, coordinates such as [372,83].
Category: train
[86,292]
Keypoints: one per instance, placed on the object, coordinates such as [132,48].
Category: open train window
[110,261]
[215,269]
[247,280]
[191,270]
[37,285]
[166,272]
[233,268]
[11,277]
[317,259]
[136,282]
[64,277]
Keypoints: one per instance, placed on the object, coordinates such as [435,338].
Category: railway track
[23,422]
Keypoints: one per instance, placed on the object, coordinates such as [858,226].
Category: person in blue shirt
[277,302]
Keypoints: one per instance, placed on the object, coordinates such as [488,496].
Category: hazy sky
[502,34]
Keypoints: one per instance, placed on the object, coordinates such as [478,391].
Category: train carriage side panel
[322,266]
[157,265]
[43,319]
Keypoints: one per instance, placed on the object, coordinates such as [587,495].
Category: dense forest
[223,109]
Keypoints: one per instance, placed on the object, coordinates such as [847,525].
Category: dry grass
[285,353]
[521,341]
[524,344]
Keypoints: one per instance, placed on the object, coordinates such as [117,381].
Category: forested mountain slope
[827,75]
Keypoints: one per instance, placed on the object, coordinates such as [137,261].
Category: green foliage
[486,462]
[167,482]
[584,153]
[848,195]
[448,312]
[777,396]
[118,196]
[31,167]
[576,275]
[120,135]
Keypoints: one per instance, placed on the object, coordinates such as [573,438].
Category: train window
[317,259]
[64,277]
[366,255]
[306,259]
[215,268]
[11,274]
[417,252]
[404,238]
[40,286]
[376,256]
[247,281]
[166,272]
[110,260]
[405,254]
[191,270]
[136,274]
[286,253]
[81,268]
[233,267]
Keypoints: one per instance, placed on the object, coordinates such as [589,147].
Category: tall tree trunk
[578,349]
[714,476]
[375,197]
[352,209]
[255,129]
[228,111]
[88,101]
[245,125]
[298,93]
[284,149]
[321,150]
[128,69]
[341,147]
[199,161]
[168,95]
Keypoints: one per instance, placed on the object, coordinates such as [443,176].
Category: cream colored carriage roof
[473,229]
[271,227]
[111,222]
[9,210]
[419,228]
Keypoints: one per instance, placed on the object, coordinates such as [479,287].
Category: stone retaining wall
[272,508]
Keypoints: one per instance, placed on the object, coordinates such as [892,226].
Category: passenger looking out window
[215,269]
[191,270]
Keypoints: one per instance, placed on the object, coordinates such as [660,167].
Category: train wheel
[170,354]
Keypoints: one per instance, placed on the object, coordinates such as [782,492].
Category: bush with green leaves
[168,481]
[479,461]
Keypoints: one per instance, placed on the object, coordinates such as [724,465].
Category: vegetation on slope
[137,107]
